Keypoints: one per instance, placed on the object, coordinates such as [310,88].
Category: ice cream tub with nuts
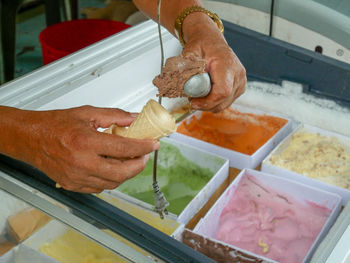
[242,134]
[187,176]
[313,156]
[270,216]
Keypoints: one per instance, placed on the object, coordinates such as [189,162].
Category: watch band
[189,10]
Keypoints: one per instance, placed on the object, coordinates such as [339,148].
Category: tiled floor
[28,49]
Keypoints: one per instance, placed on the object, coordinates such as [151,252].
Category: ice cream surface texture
[317,156]
[268,223]
[231,129]
[176,72]
[73,247]
[179,179]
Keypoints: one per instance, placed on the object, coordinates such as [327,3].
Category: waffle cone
[115,129]
[153,122]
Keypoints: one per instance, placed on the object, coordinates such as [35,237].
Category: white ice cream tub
[209,224]
[218,165]
[240,160]
[268,167]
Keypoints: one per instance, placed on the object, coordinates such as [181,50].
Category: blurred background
[322,26]
[23,20]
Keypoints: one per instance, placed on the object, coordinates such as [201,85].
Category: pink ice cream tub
[270,216]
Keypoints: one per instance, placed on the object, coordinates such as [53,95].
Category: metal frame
[30,196]
[90,211]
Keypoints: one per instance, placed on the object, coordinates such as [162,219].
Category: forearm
[169,10]
[16,133]
[195,26]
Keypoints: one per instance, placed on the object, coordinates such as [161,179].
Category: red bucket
[67,37]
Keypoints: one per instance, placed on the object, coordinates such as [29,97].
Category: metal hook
[160,202]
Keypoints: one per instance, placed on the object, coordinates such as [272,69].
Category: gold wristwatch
[189,10]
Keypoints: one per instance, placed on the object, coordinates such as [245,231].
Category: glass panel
[27,232]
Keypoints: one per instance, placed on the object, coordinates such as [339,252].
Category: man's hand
[66,145]
[204,39]
[228,76]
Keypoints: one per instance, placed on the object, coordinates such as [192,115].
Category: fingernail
[156,146]
[134,114]
[146,158]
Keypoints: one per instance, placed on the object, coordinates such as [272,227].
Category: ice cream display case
[120,225]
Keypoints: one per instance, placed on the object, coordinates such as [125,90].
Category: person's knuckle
[123,147]
[219,108]
[130,170]
[139,167]
[216,110]
[226,91]
[76,176]
[243,71]
[82,176]
[73,139]
[119,176]
[68,186]
[242,89]
[88,167]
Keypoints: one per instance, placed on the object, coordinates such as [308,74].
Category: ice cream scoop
[198,85]
[183,77]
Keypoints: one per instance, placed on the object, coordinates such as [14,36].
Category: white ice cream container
[208,226]
[240,160]
[268,167]
[218,165]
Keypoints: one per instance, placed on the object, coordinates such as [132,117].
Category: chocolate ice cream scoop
[183,77]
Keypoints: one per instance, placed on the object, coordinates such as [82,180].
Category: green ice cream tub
[187,176]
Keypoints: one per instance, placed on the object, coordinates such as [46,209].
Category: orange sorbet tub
[243,135]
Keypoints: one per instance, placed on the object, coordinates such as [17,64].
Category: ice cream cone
[153,122]
[115,129]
